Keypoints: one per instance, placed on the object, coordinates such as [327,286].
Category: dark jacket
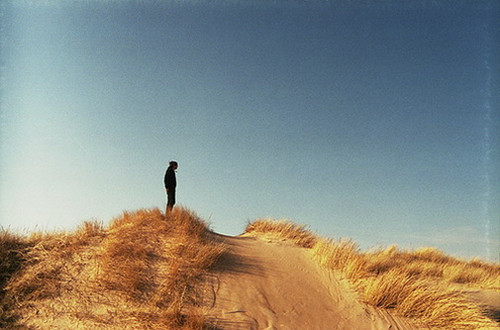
[170,181]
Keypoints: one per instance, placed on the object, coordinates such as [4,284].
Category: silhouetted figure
[170,184]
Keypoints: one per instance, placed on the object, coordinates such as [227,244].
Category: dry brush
[144,270]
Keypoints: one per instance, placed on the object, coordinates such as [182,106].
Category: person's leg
[170,200]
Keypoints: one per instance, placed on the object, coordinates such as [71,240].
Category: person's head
[173,164]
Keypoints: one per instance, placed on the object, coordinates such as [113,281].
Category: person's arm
[165,180]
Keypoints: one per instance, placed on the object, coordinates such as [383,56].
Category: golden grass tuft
[144,271]
[418,299]
[282,229]
[414,284]
[343,255]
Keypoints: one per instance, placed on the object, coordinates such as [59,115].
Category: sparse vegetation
[144,271]
[284,229]
[414,284]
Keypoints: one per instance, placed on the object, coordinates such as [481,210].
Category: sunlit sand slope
[277,285]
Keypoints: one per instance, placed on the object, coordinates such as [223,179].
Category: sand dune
[276,285]
[151,271]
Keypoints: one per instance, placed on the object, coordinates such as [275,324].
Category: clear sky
[371,120]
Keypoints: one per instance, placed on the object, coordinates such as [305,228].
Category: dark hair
[173,163]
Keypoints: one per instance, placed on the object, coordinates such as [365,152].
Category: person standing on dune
[170,184]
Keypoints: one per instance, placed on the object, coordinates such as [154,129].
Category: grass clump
[416,298]
[282,229]
[342,255]
[12,247]
[144,271]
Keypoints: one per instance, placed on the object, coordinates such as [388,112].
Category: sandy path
[266,285]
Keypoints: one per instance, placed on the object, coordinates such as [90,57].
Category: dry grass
[415,284]
[418,299]
[12,247]
[282,229]
[144,271]
[342,255]
[433,264]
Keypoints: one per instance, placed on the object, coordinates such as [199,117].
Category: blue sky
[375,121]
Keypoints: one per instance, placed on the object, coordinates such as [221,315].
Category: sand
[488,300]
[264,284]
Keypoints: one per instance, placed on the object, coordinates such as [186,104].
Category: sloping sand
[488,300]
[263,284]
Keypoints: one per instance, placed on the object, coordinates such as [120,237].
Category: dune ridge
[148,270]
